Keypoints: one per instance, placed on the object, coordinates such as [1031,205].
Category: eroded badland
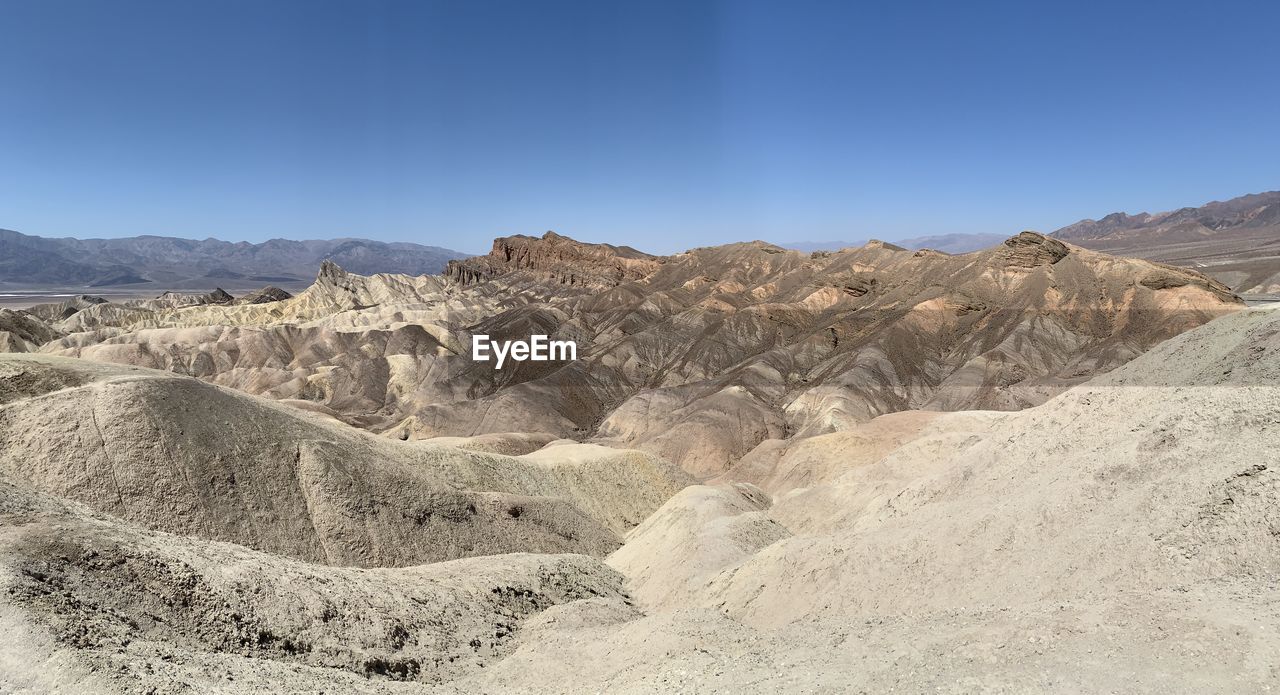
[1033,467]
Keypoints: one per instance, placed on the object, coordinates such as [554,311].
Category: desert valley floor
[1036,467]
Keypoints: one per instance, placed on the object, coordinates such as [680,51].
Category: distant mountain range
[1236,241]
[948,243]
[173,263]
[1253,211]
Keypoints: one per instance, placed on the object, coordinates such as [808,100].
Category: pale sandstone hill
[334,295]
[57,311]
[178,455]
[691,538]
[697,357]
[781,465]
[91,604]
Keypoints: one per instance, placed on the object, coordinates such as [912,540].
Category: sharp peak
[329,269]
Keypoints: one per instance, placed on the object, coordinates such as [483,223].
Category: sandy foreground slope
[1124,536]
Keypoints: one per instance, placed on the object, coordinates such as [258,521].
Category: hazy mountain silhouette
[947,243]
[1235,241]
[172,262]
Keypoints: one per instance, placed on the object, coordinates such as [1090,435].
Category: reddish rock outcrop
[556,258]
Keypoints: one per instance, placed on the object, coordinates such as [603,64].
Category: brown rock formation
[557,259]
[697,357]
[1029,249]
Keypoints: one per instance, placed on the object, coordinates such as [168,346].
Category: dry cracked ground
[1031,468]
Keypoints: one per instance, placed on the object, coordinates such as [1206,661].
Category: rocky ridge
[557,259]
[697,357]
[1233,240]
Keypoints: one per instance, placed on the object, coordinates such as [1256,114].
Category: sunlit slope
[179,455]
[697,357]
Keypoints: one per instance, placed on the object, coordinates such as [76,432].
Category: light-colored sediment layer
[179,455]
[99,605]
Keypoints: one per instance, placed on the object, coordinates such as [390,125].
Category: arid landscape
[1234,241]
[423,347]
[1029,467]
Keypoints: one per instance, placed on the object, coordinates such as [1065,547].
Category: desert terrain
[1234,241]
[1034,467]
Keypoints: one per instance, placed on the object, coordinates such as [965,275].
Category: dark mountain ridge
[27,260]
[1234,240]
[1252,210]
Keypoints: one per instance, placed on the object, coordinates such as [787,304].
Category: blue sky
[663,125]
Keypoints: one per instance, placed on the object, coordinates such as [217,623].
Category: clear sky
[663,125]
